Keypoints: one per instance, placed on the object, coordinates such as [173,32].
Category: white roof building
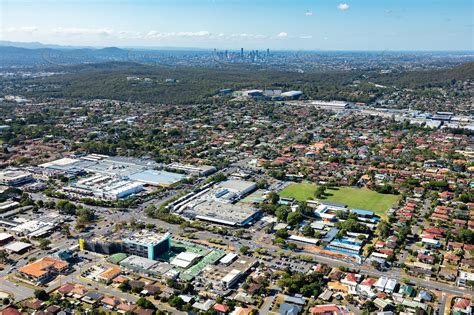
[185,260]
[17,247]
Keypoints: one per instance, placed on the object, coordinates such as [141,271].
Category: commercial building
[157,178]
[17,247]
[238,187]
[5,238]
[186,259]
[291,95]
[219,204]
[37,228]
[138,264]
[15,177]
[221,213]
[332,105]
[147,244]
[224,276]
[104,187]
[198,170]
[44,269]
[120,168]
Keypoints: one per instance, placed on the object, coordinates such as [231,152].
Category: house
[351,279]
[221,308]
[92,297]
[108,275]
[126,307]
[383,304]
[430,243]
[34,305]
[390,286]
[110,302]
[466,279]
[427,259]
[380,284]
[9,310]
[326,295]
[289,309]
[204,306]
[424,296]
[463,306]
[326,309]
[66,288]
[406,290]
[447,273]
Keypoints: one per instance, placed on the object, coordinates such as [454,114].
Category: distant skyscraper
[241,53]
[268,52]
[226,54]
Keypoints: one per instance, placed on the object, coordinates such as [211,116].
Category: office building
[147,244]
[15,177]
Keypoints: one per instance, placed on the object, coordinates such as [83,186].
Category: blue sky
[257,24]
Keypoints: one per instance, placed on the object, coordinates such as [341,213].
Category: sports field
[300,192]
[361,198]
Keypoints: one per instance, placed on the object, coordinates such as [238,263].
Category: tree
[41,295]
[124,287]
[274,198]
[282,233]
[145,303]
[3,256]
[308,230]
[44,243]
[320,192]
[244,250]
[293,218]
[176,302]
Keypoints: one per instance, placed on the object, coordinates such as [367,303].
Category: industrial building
[147,244]
[15,177]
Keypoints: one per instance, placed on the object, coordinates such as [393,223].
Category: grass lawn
[353,197]
[300,192]
[362,198]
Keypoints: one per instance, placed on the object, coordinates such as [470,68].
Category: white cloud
[83,31]
[343,6]
[161,35]
[247,36]
[309,13]
[282,35]
[22,29]
[306,36]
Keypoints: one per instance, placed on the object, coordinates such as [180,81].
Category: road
[20,292]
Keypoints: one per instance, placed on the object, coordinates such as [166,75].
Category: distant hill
[34,55]
[429,78]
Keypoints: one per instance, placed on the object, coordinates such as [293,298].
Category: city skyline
[278,25]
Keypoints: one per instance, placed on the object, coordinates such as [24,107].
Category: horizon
[18,44]
[365,25]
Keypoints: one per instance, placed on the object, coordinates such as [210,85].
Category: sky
[251,24]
